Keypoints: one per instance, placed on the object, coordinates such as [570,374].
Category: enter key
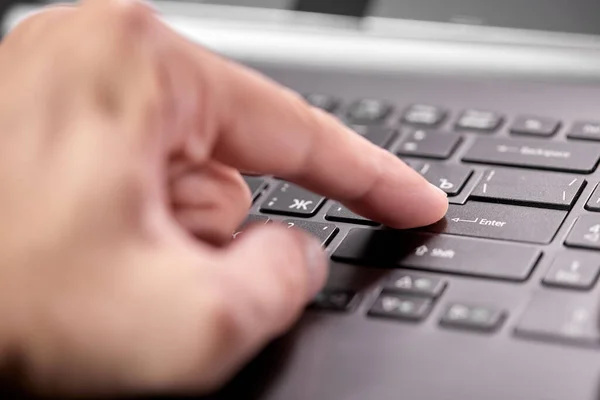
[501,221]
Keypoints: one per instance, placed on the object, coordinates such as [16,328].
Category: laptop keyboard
[511,187]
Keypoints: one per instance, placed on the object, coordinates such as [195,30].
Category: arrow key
[585,233]
[413,284]
[400,307]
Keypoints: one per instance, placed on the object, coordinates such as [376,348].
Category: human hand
[120,155]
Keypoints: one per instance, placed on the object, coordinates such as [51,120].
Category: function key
[429,144]
[593,203]
[588,130]
[479,120]
[389,305]
[424,115]
[532,125]
[585,233]
[368,111]
[378,135]
[412,284]
[256,185]
[289,199]
[473,317]
[324,232]
[574,270]
[338,212]
[451,178]
[334,300]
[322,101]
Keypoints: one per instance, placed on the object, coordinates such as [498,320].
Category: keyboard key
[368,111]
[514,186]
[338,212]
[534,153]
[289,199]
[415,285]
[472,317]
[251,220]
[439,253]
[500,221]
[451,178]
[256,185]
[378,135]
[585,233]
[574,270]
[585,130]
[561,317]
[324,232]
[322,101]
[424,115]
[399,307]
[479,120]
[429,144]
[593,203]
[532,125]
[335,300]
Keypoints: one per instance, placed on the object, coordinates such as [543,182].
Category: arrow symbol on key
[465,220]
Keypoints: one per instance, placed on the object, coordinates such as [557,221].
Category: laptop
[498,104]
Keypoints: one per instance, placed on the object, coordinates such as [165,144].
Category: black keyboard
[512,181]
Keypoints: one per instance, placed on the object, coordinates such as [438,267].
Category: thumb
[268,276]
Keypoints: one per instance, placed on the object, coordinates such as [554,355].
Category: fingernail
[317,265]
[438,190]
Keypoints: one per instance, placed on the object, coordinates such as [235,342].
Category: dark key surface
[377,134]
[339,213]
[586,130]
[440,253]
[429,144]
[472,317]
[561,317]
[574,270]
[368,111]
[290,199]
[517,186]
[593,203]
[334,300]
[533,125]
[251,220]
[322,101]
[451,178]
[535,153]
[585,233]
[256,185]
[424,115]
[501,221]
[322,231]
[479,120]
[408,283]
[389,305]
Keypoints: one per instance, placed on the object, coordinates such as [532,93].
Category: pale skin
[121,148]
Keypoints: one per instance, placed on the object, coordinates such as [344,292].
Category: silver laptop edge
[376,45]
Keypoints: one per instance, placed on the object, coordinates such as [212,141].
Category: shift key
[501,221]
[532,153]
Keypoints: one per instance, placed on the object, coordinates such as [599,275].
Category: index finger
[263,127]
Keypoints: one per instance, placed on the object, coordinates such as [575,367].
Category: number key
[289,199]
